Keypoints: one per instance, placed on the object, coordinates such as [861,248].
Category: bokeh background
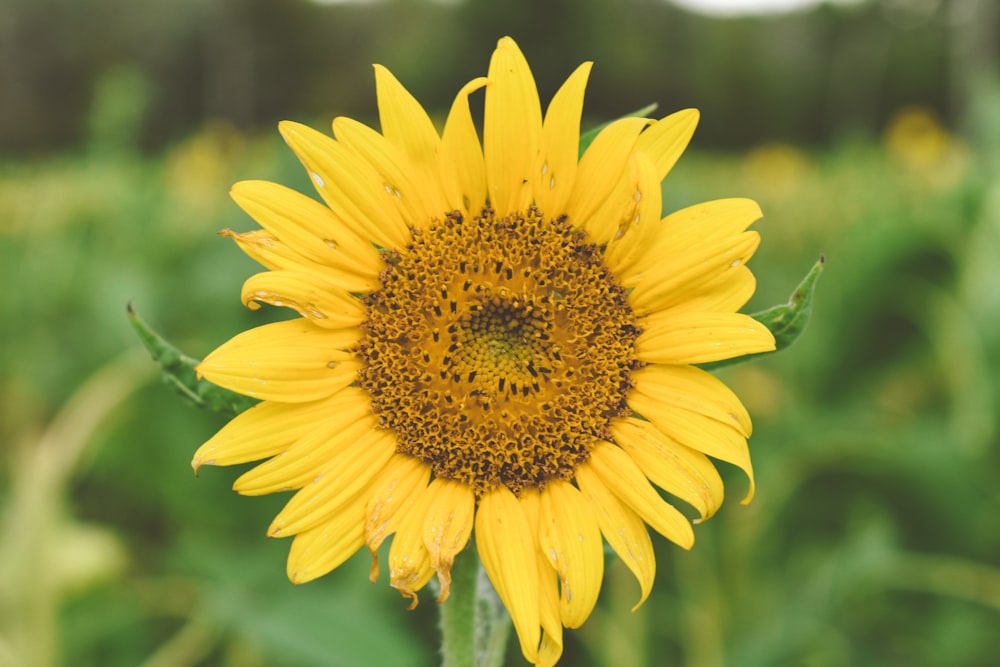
[869,130]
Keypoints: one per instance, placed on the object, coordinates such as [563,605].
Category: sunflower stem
[474,624]
[458,618]
[492,623]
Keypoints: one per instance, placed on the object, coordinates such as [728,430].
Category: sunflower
[497,338]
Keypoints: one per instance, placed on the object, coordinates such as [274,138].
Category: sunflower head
[496,335]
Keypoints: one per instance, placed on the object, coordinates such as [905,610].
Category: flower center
[497,350]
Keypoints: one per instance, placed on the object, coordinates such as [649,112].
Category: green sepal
[179,372]
[786,321]
[588,137]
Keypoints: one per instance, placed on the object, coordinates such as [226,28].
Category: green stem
[474,624]
[458,617]
[492,621]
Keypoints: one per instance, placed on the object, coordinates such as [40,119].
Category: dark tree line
[808,77]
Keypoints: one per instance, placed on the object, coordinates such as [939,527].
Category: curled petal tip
[444,579]
[407,593]
[373,572]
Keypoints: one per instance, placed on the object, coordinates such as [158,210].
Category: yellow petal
[638,216]
[401,482]
[726,293]
[551,646]
[265,248]
[463,172]
[293,361]
[624,478]
[307,227]
[693,389]
[666,140]
[512,126]
[326,304]
[507,549]
[600,172]
[676,469]
[694,241]
[268,429]
[262,246]
[325,547]
[406,124]
[345,475]
[350,186]
[571,541]
[697,338]
[531,503]
[409,560]
[447,526]
[411,188]
[699,432]
[307,459]
[623,529]
[552,180]
[706,265]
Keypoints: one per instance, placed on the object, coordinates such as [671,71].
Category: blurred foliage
[872,539]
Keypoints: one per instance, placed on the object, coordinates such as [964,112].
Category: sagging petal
[395,492]
[699,432]
[447,526]
[697,338]
[570,540]
[624,478]
[622,528]
[551,646]
[692,389]
[676,469]
[512,127]
[555,172]
[507,549]
[409,560]
[293,361]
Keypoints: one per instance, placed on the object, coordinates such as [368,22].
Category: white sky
[713,7]
[737,7]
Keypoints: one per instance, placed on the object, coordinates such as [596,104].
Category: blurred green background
[868,131]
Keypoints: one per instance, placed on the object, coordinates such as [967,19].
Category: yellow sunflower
[495,337]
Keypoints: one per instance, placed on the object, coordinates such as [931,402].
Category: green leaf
[179,372]
[588,137]
[786,321]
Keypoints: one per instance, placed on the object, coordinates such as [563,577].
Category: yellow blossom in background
[198,167]
[916,141]
[496,339]
[777,171]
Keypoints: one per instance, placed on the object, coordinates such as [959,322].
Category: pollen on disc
[498,350]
